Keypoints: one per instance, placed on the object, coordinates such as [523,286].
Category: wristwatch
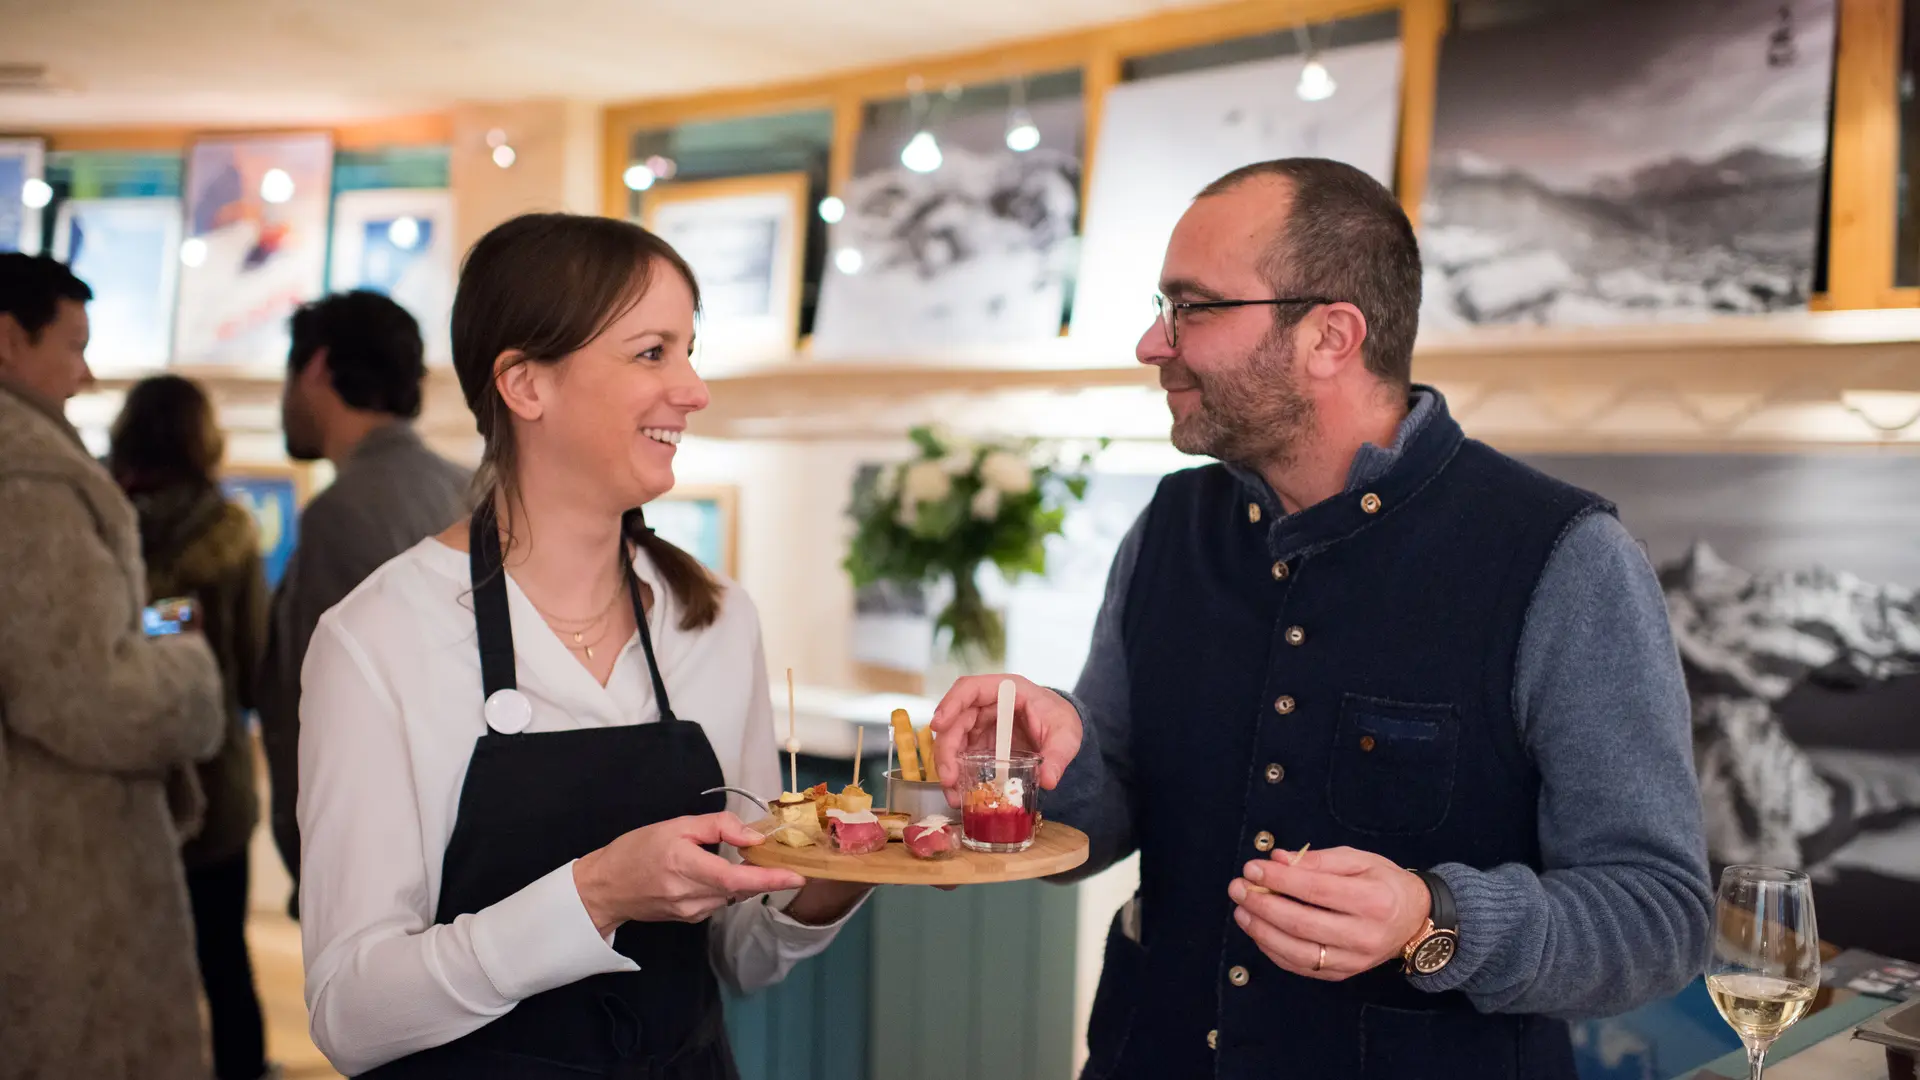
[1433,947]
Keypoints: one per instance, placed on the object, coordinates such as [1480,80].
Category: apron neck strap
[495,625]
[490,617]
[646,636]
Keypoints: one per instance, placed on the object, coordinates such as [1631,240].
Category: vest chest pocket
[1393,765]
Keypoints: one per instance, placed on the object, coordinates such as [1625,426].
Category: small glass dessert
[855,832]
[934,837]
[998,817]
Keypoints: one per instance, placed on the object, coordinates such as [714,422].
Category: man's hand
[1362,907]
[1043,722]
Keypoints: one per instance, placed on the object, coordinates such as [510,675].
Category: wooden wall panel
[1422,24]
[1866,155]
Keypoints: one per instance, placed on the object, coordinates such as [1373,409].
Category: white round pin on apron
[508,712]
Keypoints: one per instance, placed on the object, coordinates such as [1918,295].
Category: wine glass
[1766,954]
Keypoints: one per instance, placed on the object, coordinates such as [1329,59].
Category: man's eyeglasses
[1169,310]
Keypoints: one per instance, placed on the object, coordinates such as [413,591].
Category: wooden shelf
[1842,378]
[1825,378]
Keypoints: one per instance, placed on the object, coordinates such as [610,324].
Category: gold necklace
[566,626]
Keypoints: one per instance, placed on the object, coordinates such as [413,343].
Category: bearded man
[1446,678]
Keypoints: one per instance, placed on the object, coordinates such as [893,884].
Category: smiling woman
[545,287]
[501,852]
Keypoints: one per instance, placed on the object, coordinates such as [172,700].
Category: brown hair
[1347,237]
[544,285]
[166,434]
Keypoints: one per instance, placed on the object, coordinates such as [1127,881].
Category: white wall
[793,532]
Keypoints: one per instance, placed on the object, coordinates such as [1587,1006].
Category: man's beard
[1253,416]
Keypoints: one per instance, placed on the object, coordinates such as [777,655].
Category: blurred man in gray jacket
[353,385]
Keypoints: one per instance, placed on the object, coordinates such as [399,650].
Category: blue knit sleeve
[1621,913]
[1096,793]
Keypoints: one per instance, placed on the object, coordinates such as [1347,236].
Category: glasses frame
[1169,310]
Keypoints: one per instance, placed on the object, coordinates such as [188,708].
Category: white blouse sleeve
[382,980]
[755,944]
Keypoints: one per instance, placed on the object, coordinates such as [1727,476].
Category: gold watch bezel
[1417,958]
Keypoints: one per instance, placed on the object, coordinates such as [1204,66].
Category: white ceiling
[124,62]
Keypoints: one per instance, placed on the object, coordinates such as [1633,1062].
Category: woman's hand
[661,874]
[823,903]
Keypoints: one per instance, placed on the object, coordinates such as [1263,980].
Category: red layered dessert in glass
[998,814]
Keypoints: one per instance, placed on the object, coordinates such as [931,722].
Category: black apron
[532,802]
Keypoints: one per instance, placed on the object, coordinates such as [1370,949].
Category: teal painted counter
[973,984]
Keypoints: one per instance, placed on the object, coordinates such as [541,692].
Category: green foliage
[928,519]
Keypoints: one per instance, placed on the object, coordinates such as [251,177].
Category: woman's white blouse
[389,712]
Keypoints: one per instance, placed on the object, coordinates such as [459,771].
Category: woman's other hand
[823,903]
[661,873]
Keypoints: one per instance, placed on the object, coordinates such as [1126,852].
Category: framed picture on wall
[274,495]
[399,243]
[21,160]
[128,253]
[1629,162]
[701,520]
[255,246]
[1163,139]
[745,239]
[964,241]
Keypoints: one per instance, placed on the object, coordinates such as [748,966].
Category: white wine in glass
[1766,955]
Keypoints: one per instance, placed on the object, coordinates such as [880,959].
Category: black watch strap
[1444,916]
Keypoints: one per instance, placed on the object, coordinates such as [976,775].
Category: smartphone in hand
[170,616]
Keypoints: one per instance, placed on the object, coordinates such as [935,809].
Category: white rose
[1006,472]
[959,459]
[986,504]
[925,481]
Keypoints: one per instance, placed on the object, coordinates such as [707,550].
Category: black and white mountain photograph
[1634,161]
[1793,591]
[951,236]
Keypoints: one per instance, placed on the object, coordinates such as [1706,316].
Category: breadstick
[928,771]
[903,741]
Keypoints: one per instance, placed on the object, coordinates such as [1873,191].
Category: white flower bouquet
[957,505]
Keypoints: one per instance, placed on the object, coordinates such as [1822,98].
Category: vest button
[1370,503]
[1275,773]
[1253,513]
[1237,975]
[1213,1039]
[1280,571]
[1284,705]
[1366,744]
[1263,842]
[1296,636]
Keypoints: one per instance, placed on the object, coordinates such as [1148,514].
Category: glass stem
[1756,1058]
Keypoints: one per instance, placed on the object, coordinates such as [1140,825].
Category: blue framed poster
[21,160]
[273,495]
[128,253]
[399,243]
[699,520]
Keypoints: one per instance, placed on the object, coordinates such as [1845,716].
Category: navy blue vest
[1340,677]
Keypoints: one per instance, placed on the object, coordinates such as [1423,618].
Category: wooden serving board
[1056,848]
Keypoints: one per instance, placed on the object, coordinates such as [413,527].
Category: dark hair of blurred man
[43,329]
